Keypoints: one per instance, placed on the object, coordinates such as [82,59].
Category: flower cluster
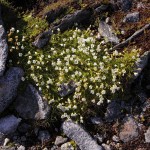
[77,56]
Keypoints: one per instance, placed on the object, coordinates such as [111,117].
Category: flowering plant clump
[78,60]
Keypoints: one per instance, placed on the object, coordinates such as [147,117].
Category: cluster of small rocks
[30,106]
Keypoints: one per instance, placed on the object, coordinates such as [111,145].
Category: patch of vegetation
[76,58]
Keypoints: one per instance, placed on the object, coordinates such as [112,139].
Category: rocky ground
[122,125]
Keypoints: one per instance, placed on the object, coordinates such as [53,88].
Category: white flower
[22,47]
[22,79]
[103,92]
[17,31]
[12,29]
[20,54]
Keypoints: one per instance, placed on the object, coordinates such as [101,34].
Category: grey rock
[147,136]
[132,17]
[126,5]
[140,64]
[42,39]
[97,121]
[106,147]
[113,111]
[80,136]
[21,148]
[129,129]
[53,14]
[67,89]
[9,124]
[3,47]
[81,17]
[30,105]
[106,31]
[67,146]
[115,138]
[60,140]
[2,138]
[43,135]
[8,86]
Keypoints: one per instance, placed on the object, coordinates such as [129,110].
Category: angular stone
[96,121]
[129,130]
[105,30]
[132,17]
[80,136]
[141,64]
[30,105]
[9,124]
[8,86]
[3,47]
[60,140]
[147,136]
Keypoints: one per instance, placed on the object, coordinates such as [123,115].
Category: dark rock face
[126,5]
[30,105]
[105,30]
[129,129]
[3,47]
[8,86]
[9,124]
[113,111]
[132,17]
[80,136]
[53,14]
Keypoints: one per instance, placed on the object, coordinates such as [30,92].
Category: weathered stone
[9,124]
[126,5]
[141,63]
[129,130]
[3,47]
[53,14]
[8,86]
[80,136]
[113,111]
[147,136]
[43,135]
[30,105]
[105,30]
[60,140]
[132,17]
[96,120]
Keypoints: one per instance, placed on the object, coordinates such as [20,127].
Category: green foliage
[32,26]
[75,57]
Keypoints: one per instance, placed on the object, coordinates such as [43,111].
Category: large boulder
[3,47]
[8,86]
[80,136]
[30,105]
